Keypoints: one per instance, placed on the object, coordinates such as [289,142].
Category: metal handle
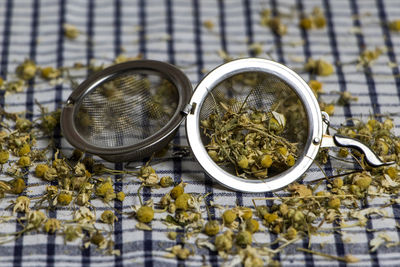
[370,156]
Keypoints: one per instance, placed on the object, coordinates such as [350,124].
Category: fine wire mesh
[262,92]
[126,109]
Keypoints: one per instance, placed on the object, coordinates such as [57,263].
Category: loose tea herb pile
[253,125]
[251,140]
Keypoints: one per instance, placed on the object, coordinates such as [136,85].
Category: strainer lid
[290,78]
[153,140]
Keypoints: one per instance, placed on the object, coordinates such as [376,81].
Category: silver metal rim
[315,125]
[168,71]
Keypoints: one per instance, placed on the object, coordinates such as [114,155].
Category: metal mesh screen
[252,92]
[126,109]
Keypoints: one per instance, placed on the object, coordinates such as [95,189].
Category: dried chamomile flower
[315,20]
[300,189]
[270,218]
[23,124]
[80,170]
[291,233]
[35,219]
[17,185]
[367,57]
[224,242]
[277,26]
[24,161]
[316,87]
[177,191]
[82,199]
[265,15]
[392,172]
[4,156]
[50,73]
[181,202]
[146,171]
[306,23]
[106,190]
[50,122]
[261,211]
[243,238]
[50,174]
[319,67]
[180,252]
[24,150]
[212,228]
[345,98]
[328,108]
[208,24]
[22,204]
[64,198]
[362,180]
[337,182]
[318,18]
[250,257]
[229,216]
[51,225]
[388,124]
[151,180]
[266,161]
[72,232]
[343,152]
[252,225]
[166,181]
[97,239]
[15,86]
[70,31]
[120,196]
[108,217]
[245,213]
[395,25]
[334,203]
[145,214]
[172,235]
[84,215]
[298,216]
[26,70]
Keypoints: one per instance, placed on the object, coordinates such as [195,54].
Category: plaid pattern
[172,31]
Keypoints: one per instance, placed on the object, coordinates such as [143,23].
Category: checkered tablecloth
[173,31]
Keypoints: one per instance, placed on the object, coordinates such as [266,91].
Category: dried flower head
[212,228]
[4,156]
[22,204]
[26,70]
[243,238]
[51,225]
[108,217]
[145,214]
[70,31]
[49,73]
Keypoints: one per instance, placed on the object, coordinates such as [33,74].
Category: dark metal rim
[167,71]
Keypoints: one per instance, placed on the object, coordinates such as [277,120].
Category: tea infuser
[130,110]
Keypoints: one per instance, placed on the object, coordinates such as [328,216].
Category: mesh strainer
[128,111]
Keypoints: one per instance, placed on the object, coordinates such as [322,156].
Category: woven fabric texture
[173,31]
